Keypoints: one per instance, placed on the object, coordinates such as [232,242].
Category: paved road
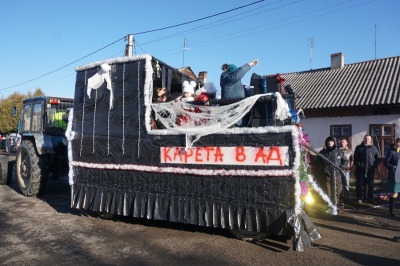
[46,231]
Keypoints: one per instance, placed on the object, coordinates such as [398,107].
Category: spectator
[347,170]
[392,163]
[11,146]
[336,157]
[366,159]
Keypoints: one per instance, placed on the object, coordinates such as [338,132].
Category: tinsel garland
[70,135]
[307,181]
[304,168]
[314,185]
[296,166]
[183,170]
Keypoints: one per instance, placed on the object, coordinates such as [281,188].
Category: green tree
[38,92]
[9,123]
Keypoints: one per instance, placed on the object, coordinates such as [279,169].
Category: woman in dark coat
[392,163]
[336,157]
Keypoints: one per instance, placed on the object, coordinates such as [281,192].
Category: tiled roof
[370,83]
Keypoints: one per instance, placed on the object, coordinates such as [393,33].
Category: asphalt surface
[46,231]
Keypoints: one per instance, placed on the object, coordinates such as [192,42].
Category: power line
[203,18]
[48,73]
[248,32]
[143,32]
[210,25]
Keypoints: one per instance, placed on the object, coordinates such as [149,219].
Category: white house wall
[318,129]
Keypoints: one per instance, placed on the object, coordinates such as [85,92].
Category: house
[188,72]
[350,100]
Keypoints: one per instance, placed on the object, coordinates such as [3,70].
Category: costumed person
[209,93]
[350,159]
[160,96]
[231,84]
[392,163]
[230,81]
[336,157]
[366,160]
[188,91]
[188,97]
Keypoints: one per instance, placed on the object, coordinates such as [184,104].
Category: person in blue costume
[231,84]
[230,81]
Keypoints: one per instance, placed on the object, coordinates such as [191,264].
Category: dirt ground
[46,231]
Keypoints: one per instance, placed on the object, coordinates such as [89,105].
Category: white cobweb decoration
[199,120]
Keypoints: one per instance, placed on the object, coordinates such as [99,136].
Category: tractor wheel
[250,236]
[32,170]
[3,170]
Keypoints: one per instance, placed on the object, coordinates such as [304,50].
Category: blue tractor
[43,149]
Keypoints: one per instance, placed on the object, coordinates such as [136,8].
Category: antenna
[184,48]
[311,43]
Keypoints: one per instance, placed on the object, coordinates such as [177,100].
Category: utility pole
[375,41]
[311,43]
[129,46]
[184,48]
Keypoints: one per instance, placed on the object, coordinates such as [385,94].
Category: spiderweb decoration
[197,120]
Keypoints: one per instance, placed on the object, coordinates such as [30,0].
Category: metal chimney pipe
[129,46]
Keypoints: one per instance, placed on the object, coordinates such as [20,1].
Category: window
[26,119]
[36,118]
[342,131]
[383,137]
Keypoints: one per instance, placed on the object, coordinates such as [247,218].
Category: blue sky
[39,38]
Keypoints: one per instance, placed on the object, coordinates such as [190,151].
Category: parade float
[252,180]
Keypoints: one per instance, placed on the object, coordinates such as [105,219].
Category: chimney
[202,77]
[337,61]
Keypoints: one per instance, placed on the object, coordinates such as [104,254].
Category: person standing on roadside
[336,157]
[347,170]
[366,159]
[392,163]
[11,147]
